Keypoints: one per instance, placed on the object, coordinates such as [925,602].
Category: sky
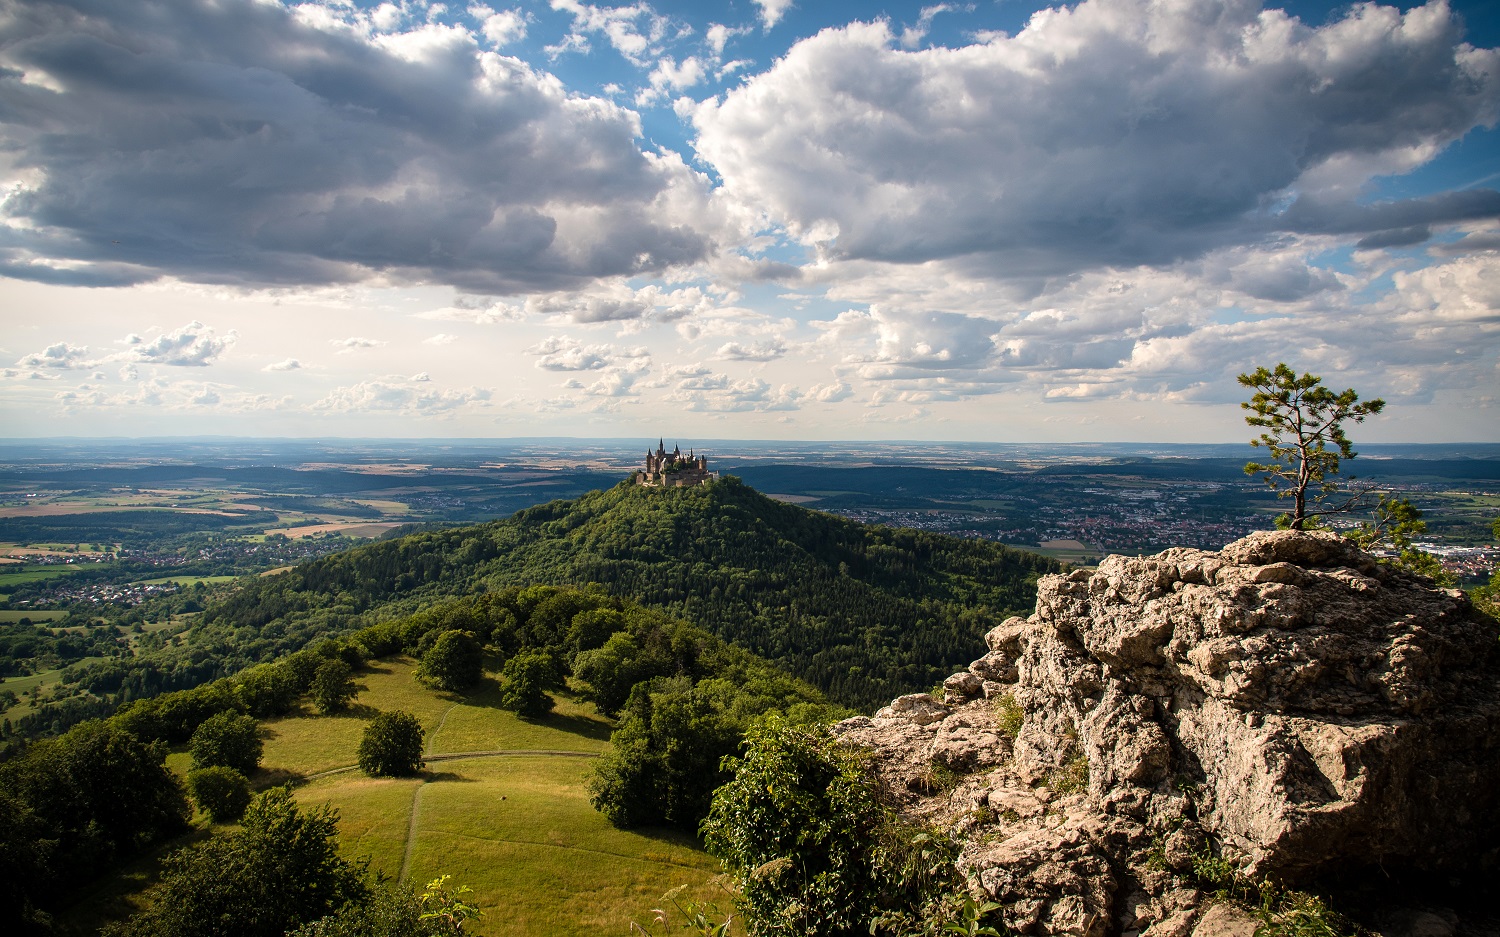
[764,219]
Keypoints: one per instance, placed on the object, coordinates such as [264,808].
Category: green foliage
[705,920]
[223,793]
[333,686]
[393,910]
[1072,777]
[454,662]
[1301,419]
[1009,716]
[281,869]
[527,677]
[71,807]
[796,827]
[865,613]
[971,920]
[227,739]
[663,763]
[392,745]
[812,848]
[1395,523]
[1282,912]
[445,910]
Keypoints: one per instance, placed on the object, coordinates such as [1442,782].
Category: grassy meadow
[517,828]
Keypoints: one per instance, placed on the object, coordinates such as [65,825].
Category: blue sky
[990,221]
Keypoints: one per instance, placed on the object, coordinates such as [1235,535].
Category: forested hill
[865,613]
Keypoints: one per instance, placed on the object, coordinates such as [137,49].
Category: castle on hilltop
[674,470]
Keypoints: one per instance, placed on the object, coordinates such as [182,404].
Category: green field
[27,574]
[13,615]
[517,828]
[47,678]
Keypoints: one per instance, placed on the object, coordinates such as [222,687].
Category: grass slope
[517,828]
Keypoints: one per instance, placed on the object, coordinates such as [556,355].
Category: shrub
[1009,716]
[222,792]
[392,745]
[812,849]
[227,739]
[280,870]
[663,763]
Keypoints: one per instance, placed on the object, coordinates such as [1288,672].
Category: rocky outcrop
[1288,703]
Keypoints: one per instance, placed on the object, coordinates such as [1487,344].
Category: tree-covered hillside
[865,613]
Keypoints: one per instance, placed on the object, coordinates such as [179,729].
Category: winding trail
[411,831]
[416,797]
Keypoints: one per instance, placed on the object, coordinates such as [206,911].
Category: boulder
[1288,701]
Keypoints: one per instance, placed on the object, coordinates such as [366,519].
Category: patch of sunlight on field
[478,724]
[521,832]
[308,743]
[373,814]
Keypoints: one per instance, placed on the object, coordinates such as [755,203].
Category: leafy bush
[802,829]
[227,739]
[72,806]
[395,910]
[222,792]
[1009,717]
[664,758]
[280,870]
[392,745]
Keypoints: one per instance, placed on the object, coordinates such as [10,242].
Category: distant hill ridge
[862,612]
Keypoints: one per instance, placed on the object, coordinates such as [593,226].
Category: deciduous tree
[332,686]
[229,739]
[392,745]
[454,662]
[280,870]
[222,792]
[527,678]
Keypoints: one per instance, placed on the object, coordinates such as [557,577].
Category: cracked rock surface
[1288,699]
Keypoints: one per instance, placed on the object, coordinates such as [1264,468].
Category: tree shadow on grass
[486,693]
[575,725]
[665,834]
[433,777]
[266,778]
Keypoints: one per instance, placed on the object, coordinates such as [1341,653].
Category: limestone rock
[1288,698]
[1226,920]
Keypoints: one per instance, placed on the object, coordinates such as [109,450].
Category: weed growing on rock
[938,779]
[1282,912]
[1072,777]
[1008,715]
